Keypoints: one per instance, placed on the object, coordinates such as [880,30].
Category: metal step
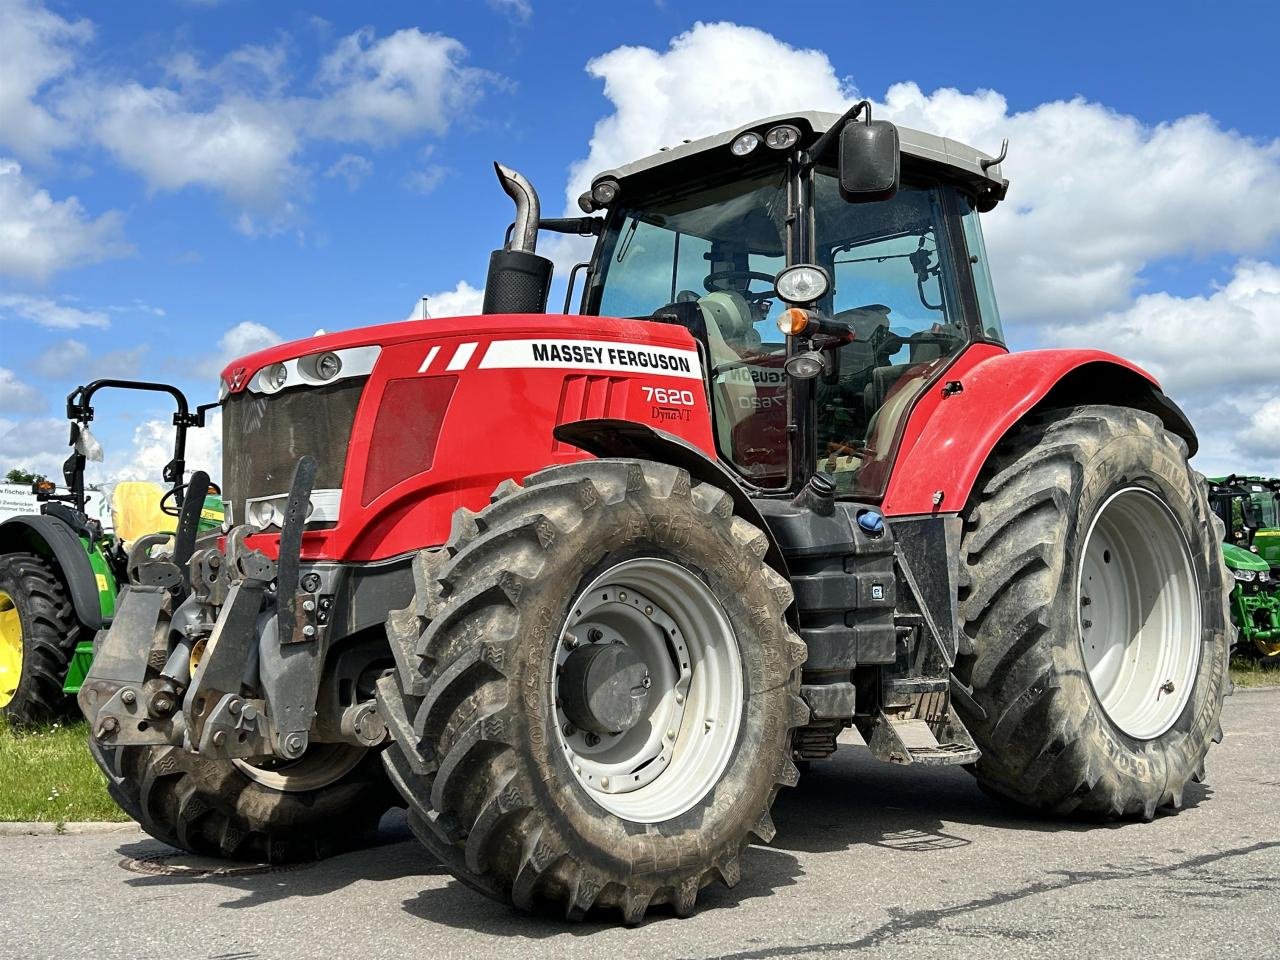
[914,741]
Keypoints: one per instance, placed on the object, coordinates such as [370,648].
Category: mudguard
[955,426]
[607,437]
[48,536]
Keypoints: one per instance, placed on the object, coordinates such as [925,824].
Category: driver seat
[730,334]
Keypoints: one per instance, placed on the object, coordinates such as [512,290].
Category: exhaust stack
[519,280]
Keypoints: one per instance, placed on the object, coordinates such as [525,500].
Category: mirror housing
[870,161]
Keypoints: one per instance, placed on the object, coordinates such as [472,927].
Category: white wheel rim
[1139,621]
[323,764]
[672,757]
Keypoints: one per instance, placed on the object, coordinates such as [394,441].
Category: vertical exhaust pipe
[519,280]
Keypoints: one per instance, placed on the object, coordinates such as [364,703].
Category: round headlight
[328,365]
[274,377]
[745,144]
[605,192]
[803,283]
[780,138]
[1244,575]
[805,366]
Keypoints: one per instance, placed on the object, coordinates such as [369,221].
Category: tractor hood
[1239,558]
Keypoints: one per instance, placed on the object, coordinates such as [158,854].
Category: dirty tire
[1046,740]
[489,788]
[49,634]
[211,808]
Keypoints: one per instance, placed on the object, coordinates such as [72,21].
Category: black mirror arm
[823,143]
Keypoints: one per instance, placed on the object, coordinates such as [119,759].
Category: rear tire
[34,602]
[512,804]
[1094,608]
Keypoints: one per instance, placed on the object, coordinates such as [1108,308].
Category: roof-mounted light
[782,137]
[605,192]
[745,143]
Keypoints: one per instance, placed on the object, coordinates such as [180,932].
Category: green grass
[1248,672]
[48,775]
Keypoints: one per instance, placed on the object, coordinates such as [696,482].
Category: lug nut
[570,729]
[594,635]
[604,783]
[592,739]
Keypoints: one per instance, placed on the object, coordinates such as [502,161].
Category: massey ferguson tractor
[584,590]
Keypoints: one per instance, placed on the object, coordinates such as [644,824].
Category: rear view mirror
[870,161]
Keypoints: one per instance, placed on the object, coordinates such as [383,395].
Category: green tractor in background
[1249,507]
[60,571]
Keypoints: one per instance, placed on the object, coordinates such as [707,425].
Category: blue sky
[356,174]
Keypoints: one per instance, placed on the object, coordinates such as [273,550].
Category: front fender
[608,437]
[950,434]
[50,537]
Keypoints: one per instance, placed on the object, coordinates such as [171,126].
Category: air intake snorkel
[519,280]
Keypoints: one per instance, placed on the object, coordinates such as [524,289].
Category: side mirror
[870,161]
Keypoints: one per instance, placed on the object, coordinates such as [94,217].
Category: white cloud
[37,47]
[241,125]
[377,91]
[38,445]
[152,448]
[244,338]
[1193,343]
[352,168]
[518,11]
[425,180]
[710,78]
[1261,437]
[40,236]
[1097,195]
[18,397]
[68,357]
[48,313]
[464,300]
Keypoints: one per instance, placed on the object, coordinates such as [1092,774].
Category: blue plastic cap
[871,522]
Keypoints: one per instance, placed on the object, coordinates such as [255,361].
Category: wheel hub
[1139,613]
[604,688]
[648,689]
[10,649]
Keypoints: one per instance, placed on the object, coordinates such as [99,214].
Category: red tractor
[584,590]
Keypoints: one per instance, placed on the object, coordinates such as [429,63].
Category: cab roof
[950,158]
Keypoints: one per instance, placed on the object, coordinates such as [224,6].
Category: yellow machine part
[135,510]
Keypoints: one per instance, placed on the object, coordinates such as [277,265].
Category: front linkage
[205,654]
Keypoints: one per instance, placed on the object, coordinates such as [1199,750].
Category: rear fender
[952,431]
[52,538]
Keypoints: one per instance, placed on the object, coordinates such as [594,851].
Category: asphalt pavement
[869,860]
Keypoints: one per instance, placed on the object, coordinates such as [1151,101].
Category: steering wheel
[714,282]
[172,510]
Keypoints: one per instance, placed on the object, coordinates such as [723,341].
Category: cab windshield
[707,257]
[711,255]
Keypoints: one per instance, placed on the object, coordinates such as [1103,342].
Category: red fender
[950,435]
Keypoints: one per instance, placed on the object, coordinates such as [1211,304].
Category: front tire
[329,800]
[1094,608]
[503,782]
[38,633]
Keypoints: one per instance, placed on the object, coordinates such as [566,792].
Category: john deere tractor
[59,571]
[582,589]
[1249,508]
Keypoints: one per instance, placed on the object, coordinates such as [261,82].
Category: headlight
[805,366]
[324,366]
[605,192]
[745,144]
[802,283]
[1264,576]
[274,377]
[780,138]
[1245,576]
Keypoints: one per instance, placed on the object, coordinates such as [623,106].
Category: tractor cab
[830,268]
